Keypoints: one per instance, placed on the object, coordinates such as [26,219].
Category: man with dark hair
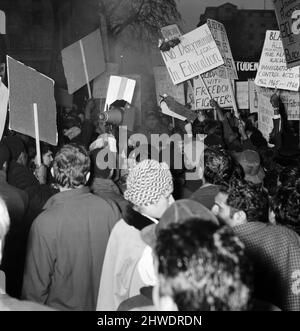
[218,168]
[68,239]
[285,204]
[274,249]
[201,268]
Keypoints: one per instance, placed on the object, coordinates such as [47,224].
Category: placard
[2,22]
[253,96]
[26,87]
[164,85]
[218,88]
[100,83]
[74,62]
[265,115]
[219,33]
[288,18]
[3,107]
[272,70]
[196,54]
[242,95]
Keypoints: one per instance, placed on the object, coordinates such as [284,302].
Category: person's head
[47,156]
[17,149]
[4,224]
[71,167]
[286,206]
[201,267]
[253,119]
[250,161]
[97,165]
[289,175]
[4,157]
[150,187]
[218,166]
[241,202]
[152,120]
[201,115]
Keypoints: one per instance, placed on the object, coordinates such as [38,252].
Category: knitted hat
[179,212]
[147,182]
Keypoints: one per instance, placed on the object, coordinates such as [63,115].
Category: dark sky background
[192,9]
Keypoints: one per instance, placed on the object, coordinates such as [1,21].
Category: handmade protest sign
[288,17]
[265,115]
[119,88]
[219,33]
[170,32]
[253,96]
[272,71]
[164,85]
[2,22]
[26,88]
[3,106]
[242,95]
[196,54]
[100,83]
[83,61]
[217,87]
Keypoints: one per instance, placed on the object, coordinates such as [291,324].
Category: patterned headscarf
[147,182]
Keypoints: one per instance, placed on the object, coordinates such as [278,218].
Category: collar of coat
[135,219]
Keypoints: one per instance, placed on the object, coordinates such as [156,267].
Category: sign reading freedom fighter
[219,33]
[288,17]
[196,54]
[217,87]
[272,71]
[26,87]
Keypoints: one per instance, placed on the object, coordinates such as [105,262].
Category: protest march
[173,185]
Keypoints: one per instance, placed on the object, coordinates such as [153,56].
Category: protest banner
[26,88]
[196,54]
[100,83]
[219,33]
[164,85]
[2,22]
[63,98]
[83,61]
[265,115]
[288,18]
[253,96]
[217,87]
[242,95]
[3,106]
[170,32]
[272,71]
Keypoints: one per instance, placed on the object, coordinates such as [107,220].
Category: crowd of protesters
[76,235]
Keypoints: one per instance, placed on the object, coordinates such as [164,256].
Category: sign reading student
[272,70]
[26,87]
[83,61]
[288,17]
[219,33]
[196,54]
[218,89]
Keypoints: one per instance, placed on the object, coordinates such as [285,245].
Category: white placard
[219,33]
[272,71]
[196,54]
[265,115]
[242,95]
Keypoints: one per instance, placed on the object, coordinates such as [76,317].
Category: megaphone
[119,113]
